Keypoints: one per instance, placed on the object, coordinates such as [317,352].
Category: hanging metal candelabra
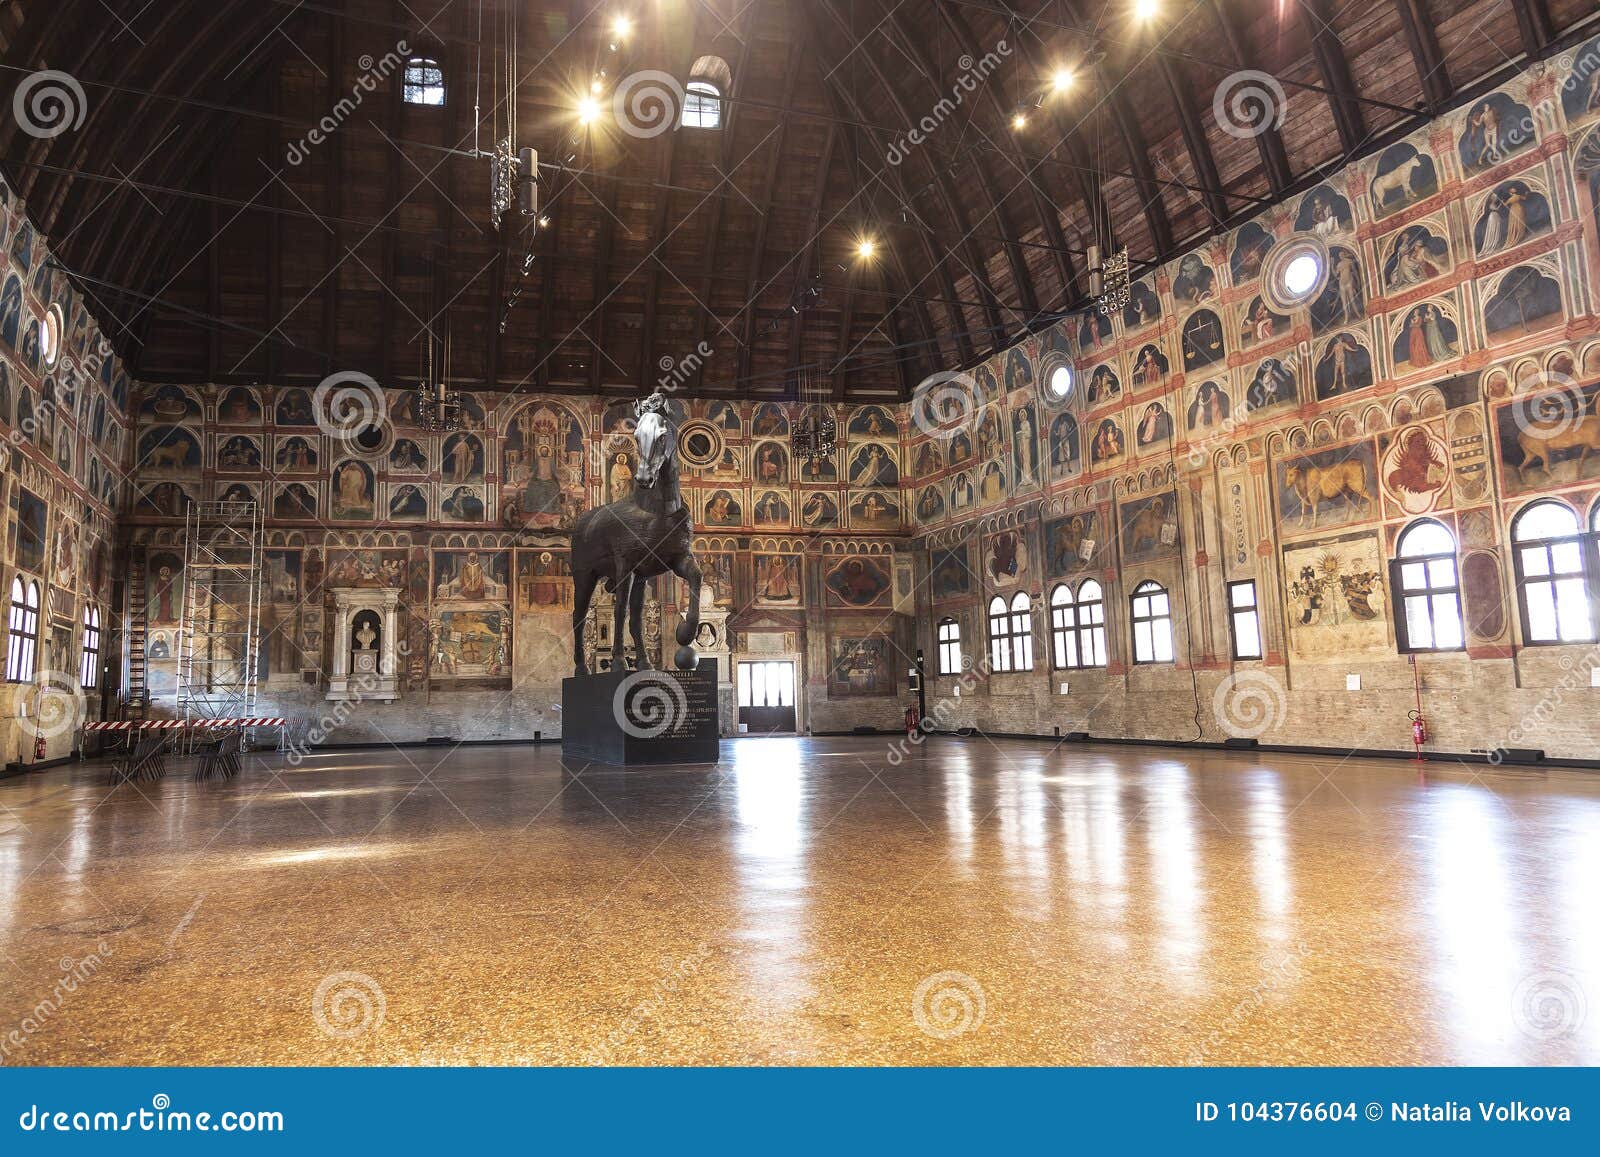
[437,407]
[815,433]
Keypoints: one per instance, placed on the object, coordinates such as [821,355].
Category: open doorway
[766,696]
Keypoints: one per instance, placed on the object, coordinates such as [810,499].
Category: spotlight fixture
[1145,9]
[1061,79]
[866,247]
[588,110]
[622,27]
[544,222]
[1019,120]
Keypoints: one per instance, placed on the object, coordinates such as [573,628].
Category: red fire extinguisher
[912,720]
[38,746]
[1419,728]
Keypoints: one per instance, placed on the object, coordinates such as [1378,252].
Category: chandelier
[815,433]
[436,407]
[1108,280]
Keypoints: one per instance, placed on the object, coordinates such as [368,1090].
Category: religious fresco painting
[1147,527]
[1072,543]
[861,665]
[858,582]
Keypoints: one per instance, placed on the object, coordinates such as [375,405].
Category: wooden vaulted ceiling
[208,256]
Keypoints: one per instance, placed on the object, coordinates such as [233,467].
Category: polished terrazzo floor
[804,902]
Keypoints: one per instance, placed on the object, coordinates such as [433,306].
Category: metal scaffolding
[219,641]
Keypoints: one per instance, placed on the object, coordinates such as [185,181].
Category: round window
[1060,382]
[50,335]
[1296,273]
[699,443]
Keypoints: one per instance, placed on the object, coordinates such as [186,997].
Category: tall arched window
[1552,584]
[89,664]
[949,647]
[1021,632]
[1077,627]
[1428,583]
[1063,629]
[1011,633]
[22,640]
[999,635]
[1091,624]
[1152,623]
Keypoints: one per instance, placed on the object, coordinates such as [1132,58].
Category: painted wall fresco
[1446,367]
[64,459]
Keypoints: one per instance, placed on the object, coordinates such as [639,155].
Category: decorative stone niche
[365,634]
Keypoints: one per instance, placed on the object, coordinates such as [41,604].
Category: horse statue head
[658,441]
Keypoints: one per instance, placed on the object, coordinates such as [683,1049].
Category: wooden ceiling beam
[1269,142]
[1417,26]
[1328,51]
[976,267]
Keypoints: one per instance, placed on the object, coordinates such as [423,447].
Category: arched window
[22,640]
[1077,627]
[1425,576]
[1552,586]
[709,79]
[1063,629]
[949,647]
[1011,634]
[1152,623]
[1091,624]
[89,664]
[424,82]
[1021,632]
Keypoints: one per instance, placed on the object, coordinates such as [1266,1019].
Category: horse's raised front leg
[684,566]
[621,593]
[636,623]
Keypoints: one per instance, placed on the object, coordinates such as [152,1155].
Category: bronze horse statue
[632,540]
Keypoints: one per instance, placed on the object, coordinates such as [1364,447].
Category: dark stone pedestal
[641,717]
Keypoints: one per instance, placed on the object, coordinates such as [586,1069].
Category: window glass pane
[1160,605]
[1243,594]
[1143,649]
[1447,621]
[1414,576]
[1418,628]
[1545,520]
[744,684]
[1163,640]
[1426,538]
[1099,646]
[1247,635]
[1542,623]
[1568,557]
[1535,561]
[1442,572]
[1060,596]
[1572,604]
[1089,590]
